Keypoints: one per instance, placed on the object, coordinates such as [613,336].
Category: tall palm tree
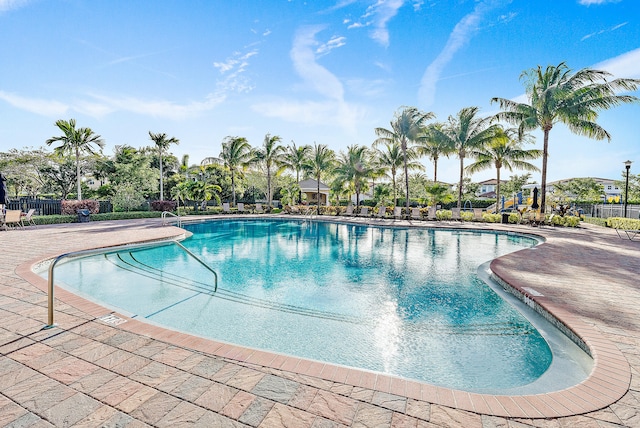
[556,95]
[236,154]
[355,167]
[321,161]
[76,141]
[504,151]
[392,158]
[294,159]
[270,156]
[433,147]
[162,143]
[465,133]
[405,128]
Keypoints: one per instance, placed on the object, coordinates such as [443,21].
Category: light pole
[627,165]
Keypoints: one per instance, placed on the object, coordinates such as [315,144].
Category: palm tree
[270,155]
[465,133]
[321,161]
[294,159]
[392,158]
[556,95]
[504,150]
[236,153]
[203,191]
[162,143]
[405,129]
[433,147]
[354,167]
[75,141]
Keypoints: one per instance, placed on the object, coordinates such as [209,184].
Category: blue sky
[309,71]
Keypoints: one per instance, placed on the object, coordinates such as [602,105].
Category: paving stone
[71,410]
[284,416]
[256,411]
[447,417]
[93,381]
[28,420]
[207,367]
[216,397]
[245,379]
[155,408]
[334,407]
[303,397]
[238,404]
[10,412]
[390,401]
[418,409]
[183,415]
[211,419]
[153,373]
[275,388]
[192,388]
[368,416]
[116,390]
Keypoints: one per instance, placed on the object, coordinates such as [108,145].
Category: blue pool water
[407,302]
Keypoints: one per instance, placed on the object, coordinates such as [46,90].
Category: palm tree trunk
[497,189]
[318,194]
[406,174]
[460,183]
[269,186]
[395,195]
[545,153]
[78,174]
[161,185]
[435,170]
[233,188]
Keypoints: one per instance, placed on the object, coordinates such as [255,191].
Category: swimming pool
[407,302]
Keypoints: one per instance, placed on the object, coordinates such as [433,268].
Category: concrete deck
[88,372]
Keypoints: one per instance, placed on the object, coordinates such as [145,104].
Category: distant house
[310,189]
[612,193]
[487,189]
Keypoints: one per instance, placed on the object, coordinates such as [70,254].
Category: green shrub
[596,220]
[572,221]
[623,223]
[466,216]
[514,218]
[443,215]
[491,218]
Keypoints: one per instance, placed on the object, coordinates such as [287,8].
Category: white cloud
[460,36]
[333,43]
[626,65]
[232,71]
[304,61]
[597,33]
[7,5]
[332,109]
[156,108]
[382,12]
[315,113]
[596,2]
[35,105]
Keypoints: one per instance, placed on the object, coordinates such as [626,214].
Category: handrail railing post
[107,250]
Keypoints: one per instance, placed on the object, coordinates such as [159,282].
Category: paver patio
[90,373]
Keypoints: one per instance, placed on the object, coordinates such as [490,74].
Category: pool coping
[607,383]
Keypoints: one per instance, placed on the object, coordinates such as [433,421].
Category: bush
[623,223]
[163,205]
[492,218]
[514,218]
[596,220]
[444,215]
[69,207]
[466,216]
[572,221]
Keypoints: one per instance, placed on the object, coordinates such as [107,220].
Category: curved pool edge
[607,383]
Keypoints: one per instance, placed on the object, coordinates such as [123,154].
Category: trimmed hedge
[623,223]
[596,220]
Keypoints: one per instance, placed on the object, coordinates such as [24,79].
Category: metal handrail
[82,253]
[309,213]
[164,218]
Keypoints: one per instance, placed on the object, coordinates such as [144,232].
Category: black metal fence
[48,206]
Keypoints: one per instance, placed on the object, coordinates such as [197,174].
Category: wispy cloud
[232,70]
[460,36]
[303,55]
[7,5]
[596,2]
[597,33]
[626,65]
[378,16]
[155,108]
[98,105]
[331,108]
[35,105]
[333,43]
